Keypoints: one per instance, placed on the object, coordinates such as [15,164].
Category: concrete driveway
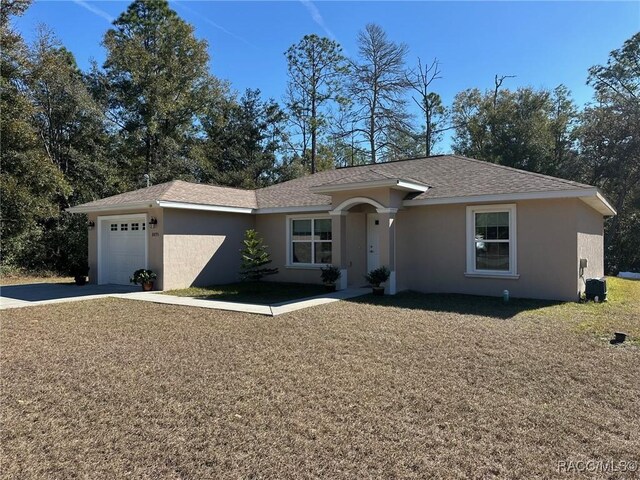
[16,296]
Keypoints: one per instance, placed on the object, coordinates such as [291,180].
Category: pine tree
[254,258]
[157,78]
[317,70]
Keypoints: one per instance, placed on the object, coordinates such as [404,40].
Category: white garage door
[123,248]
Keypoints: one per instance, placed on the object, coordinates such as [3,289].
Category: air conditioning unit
[596,288]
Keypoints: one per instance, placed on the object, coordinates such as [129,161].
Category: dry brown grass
[123,389]
[18,279]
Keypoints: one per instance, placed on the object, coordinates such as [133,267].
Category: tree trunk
[372,132]
[427,143]
[314,134]
[148,153]
[372,139]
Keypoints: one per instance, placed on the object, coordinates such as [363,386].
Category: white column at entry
[388,245]
[339,245]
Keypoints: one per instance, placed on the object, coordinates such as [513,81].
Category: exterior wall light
[153,222]
[91,225]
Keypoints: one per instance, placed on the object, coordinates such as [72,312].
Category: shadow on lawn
[455,303]
[260,293]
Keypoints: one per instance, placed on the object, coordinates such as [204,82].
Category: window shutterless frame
[311,241]
[472,269]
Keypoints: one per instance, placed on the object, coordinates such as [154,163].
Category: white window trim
[289,262]
[513,241]
[109,219]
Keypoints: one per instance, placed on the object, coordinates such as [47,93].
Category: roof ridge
[226,187]
[521,171]
[171,185]
[421,157]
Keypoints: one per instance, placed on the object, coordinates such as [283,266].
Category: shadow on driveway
[36,293]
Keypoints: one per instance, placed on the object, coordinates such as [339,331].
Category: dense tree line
[153,108]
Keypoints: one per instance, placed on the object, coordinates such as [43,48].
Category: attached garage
[122,247]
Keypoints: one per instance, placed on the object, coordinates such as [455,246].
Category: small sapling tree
[254,258]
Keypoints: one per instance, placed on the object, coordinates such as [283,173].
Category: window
[114,227]
[124,227]
[135,226]
[310,241]
[491,240]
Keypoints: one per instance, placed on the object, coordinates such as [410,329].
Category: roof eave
[395,183]
[111,207]
[294,209]
[205,207]
[591,196]
[601,204]
[159,204]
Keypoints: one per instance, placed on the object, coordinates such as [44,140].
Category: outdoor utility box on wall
[596,287]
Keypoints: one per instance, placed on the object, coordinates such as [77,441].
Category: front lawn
[23,279]
[418,386]
[262,293]
[621,311]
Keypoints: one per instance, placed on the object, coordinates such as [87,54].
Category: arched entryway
[378,238]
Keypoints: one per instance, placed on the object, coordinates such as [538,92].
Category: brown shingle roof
[180,191]
[447,176]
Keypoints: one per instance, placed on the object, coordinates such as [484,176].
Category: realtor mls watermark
[597,466]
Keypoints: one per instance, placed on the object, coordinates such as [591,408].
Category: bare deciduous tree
[430,103]
[498,83]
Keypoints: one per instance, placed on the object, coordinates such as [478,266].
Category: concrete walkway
[18,296]
[270,310]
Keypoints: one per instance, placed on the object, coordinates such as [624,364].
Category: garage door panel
[123,249]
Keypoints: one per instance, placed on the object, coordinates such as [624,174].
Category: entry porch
[367,210]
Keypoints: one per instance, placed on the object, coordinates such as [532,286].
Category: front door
[373,241]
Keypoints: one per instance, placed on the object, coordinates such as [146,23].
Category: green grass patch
[263,293]
[620,313]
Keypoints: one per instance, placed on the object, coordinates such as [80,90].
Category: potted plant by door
[376,278]
[145,278]
[330,275]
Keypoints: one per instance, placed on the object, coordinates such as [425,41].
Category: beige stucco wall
[431,249]
[154,242]
[386,196]
[92,248]
[431,253]
[273,228]
[590,229]
[202,248]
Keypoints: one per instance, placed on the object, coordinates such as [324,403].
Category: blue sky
[542,43]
